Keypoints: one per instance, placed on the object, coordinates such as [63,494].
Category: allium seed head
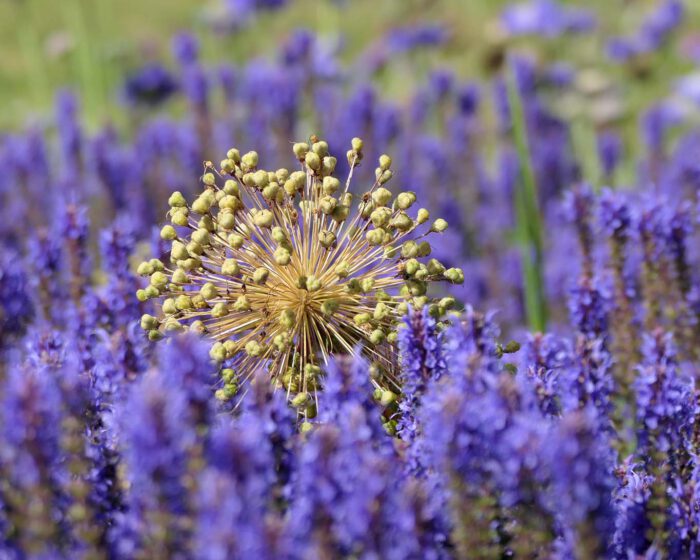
[280,272]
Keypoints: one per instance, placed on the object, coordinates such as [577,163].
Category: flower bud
[422,216]
[439,225]
[313,284]
[300,150]
[169,307]
[236,240]
[330,185]
[287,319]
[380,217]
[388,397]
[176,200]
[260,275]
[209,291]
[270,192]
[209,179]
[261,179]
[329,306]
[201,237]
[250,160]
[264,219]
[168,232]
[226,220]
[357,144]
[219,310]
[230,267]
[375,236]
[145,269]
[241,304]
[326,238]
[342,269]
[327,205]
[409,250]
[377,336]
[159,280]
[179,218]
[201,205]
[148,322]
[435,267]
[381,196]
[362,319]
[402,222]
[455,275]
[282,256]
[300,399]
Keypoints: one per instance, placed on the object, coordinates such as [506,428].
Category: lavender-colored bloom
[32,471]
[70,137]
[545,17]
[578,459]
[150,85]
[403,39]
[235,495]
[16,306]
[185,48]
[609,151]
[630,497]
[665,400]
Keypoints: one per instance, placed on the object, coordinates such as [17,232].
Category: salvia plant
[283,269]
[326,381]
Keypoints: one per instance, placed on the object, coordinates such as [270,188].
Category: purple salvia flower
[610,152]
[405,39]
[578,459]
[630,498]
[422,362]
[151,85]
[16,305]
[70,136]
[31,459]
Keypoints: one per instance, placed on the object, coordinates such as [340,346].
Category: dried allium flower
[276,268]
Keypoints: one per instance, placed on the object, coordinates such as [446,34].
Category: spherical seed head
[281,269]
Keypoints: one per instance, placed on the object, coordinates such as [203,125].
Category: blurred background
[492,110]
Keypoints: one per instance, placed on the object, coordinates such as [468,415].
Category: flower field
[350,279]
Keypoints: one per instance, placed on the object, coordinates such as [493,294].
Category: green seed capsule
[176,200]
[260,275]
[168,232]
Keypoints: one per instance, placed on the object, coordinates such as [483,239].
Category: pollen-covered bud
[342,269]
[241,304]
[411,266]
[282,256]
[424,249]
[194,249]
[300,150]
[313,161]
[201,204]
[409,250]
[218,352]
[300,399]
[159,280]
[168,233]
[172,325]
[326,238]
[177,200]
[383,176]
[328,204]
[260,179]
[231,188]
[380,217]
[362,319]
[249,161]
[422,216]
[447,302]
[377,336]
[145,269]
[455,275]
[381,311]
[330,185]
[148,322]
[357,144]
[226,220]
[254,349]
[209,291]
[260,275]
[435,267]
[270,192]
[234,154]
[320,148]
[179,217]
[201,237]
[402,222]
[439,225]
[227,166]
[219,310]
[328,165]
[287,318]
[405,200]
[236,240]
[381,196]
[375,236]
[329,306]
[387,398]
[366,285]
[264,219]
[169,307]
[313,284]
[384,162]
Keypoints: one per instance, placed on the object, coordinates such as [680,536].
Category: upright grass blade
[529,221]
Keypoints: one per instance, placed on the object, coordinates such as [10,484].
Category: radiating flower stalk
[278,270]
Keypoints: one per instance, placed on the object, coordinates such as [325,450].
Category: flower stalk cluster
[277,268]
